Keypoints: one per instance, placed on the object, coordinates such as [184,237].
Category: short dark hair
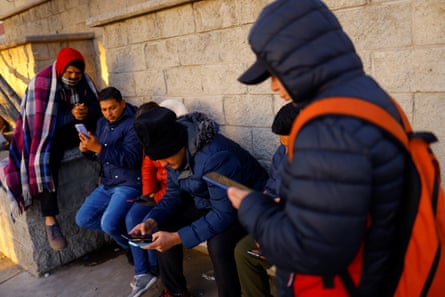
[110,93]
[145,107]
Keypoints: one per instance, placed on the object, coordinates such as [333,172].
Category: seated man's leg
[90,212]
[221,250]
[50,208]
[252,271]
[143,277]
[171,262]
[113,219]
[141,259]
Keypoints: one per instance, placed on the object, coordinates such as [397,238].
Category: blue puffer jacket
[121,154]
[207,151]
[344,171]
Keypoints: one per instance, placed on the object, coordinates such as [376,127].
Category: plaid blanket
[28,170]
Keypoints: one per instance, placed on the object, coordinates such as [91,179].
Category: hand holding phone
[223,182]
[81,129]
[138,241]
[255,253]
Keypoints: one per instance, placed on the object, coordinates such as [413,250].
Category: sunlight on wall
[103,69]
[6,240]
[17,65]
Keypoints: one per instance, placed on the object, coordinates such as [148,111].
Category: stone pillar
[25,242]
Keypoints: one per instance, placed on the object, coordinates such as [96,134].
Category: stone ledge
[20,9]
[133,11]
[49,38]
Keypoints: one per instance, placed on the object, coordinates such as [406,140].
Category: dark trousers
[221,250]
[48,200]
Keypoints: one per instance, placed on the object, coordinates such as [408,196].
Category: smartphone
[254,253]
[138,240]
[81,129]
[222,181]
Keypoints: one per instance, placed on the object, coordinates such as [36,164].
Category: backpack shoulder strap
[355,107]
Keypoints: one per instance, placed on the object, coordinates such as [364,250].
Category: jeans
[220,247]
[144,261]
[105,210]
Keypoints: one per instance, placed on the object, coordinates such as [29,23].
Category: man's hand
[144,228]
[79,111]
[90,143]
[236,196]
[163,241]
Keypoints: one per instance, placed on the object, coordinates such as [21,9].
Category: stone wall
[195,50]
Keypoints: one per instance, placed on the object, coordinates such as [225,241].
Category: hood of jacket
[303,45]
[200,130]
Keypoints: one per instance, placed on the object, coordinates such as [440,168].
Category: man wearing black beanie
[193,211]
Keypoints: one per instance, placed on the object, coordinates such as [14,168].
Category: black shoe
[55,237]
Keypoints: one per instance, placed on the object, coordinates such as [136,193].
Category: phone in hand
[222,181]
[138,241]
[255,253]
[81,129]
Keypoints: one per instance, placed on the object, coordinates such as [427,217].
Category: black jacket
[344,171]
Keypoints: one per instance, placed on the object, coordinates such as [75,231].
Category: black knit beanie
[282,124]
[159,133]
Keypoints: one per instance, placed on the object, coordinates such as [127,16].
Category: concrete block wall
[195,50]
[25,242]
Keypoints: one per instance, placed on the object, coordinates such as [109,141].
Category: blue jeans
[105,210]
[144,261]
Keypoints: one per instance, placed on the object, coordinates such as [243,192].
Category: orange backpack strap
[355,107]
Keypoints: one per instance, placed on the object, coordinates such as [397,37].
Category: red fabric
[65,56]
[312,285]
[154,178]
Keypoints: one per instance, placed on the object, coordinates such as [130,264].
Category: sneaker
[166,293]
[141,283]
[55,237]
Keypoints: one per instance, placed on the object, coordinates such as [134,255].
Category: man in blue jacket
[117,147]
[193,211]
[343,187]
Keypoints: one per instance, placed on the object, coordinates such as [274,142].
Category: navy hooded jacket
[345,172]
[207,151]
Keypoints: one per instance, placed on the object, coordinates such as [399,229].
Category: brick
[199,49]
[378,26]
[250,111]
[428,22]
[212,15]
[142,29]
[161,54]
[221,79]
[234,47]
[336,4]
[184,81]
[176,22]
[115,35]
[149,83]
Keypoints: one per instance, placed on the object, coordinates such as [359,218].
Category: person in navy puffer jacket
[193,211]
[342,188]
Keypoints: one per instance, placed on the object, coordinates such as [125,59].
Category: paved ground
[105,273]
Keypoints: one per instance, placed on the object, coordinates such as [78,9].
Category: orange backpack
[418,269]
